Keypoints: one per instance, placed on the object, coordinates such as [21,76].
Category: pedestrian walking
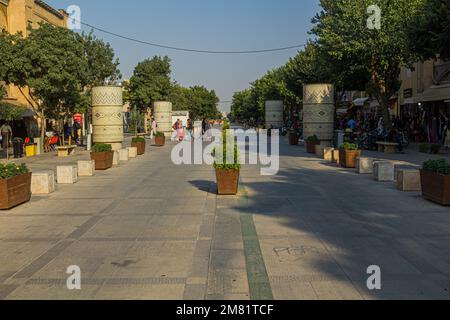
[6,132]
[154,128]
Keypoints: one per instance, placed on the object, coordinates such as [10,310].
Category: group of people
[182,132]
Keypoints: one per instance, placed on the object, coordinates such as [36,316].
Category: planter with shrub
[139,143]
[160,139]
[424,148]
[103,156]
[15,185]
[293,137]
[435,179]
[311,143]
[227,174]
[348,153]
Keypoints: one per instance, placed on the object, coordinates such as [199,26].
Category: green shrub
[313,138]
[101,147]
[350,146]
[159,134]
[424,148]
[11,170]
[435,148]
[138,140]
[437,166]
[223,154]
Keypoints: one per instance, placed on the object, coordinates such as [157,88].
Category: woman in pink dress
[180,131]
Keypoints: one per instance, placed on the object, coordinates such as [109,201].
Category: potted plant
[435,148]
[311,143]
[160,139]
[348,153]
[293,137]
[103,156]
[139,143]
[227,174]
[435,178]
[15,185]
[424,148]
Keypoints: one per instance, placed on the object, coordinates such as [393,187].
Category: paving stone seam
[258,279]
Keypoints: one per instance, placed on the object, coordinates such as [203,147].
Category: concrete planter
[140,146]
[15,191]
[293,138]
[160,141]
[103,160]
[436,187]
[227,181]
[347,158]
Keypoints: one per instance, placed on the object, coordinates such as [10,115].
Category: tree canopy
[343,32]
[429,30]
[54,69]
[151,81]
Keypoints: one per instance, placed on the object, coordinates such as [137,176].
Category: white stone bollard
[336,157]
[67,174]
[124,155]
[116,160]
[409,180]
[383,171]
[132,152]
[43,182]
[365,165]
[328,154]
[86,168]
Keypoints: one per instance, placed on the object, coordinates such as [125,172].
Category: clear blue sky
[203,24]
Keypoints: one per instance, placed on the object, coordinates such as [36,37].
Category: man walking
[6,132]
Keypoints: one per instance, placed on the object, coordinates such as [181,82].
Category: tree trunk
[43,128]
[384,105]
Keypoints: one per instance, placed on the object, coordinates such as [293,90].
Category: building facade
[424,99]
[19,16]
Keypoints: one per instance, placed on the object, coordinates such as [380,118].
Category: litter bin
[31,149]
[18,148]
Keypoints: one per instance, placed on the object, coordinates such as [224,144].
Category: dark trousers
[5,140]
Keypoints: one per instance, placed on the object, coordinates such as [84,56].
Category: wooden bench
[66,151]
[387,147]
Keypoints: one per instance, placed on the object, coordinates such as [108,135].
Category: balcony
[441,73]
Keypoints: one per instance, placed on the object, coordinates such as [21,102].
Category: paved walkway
[152,230]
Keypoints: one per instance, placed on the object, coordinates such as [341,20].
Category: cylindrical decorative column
[107,116]
[163,117]
[318,111]
[274,114]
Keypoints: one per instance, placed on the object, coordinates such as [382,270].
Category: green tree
[429,31]
[245,107]
[180,97]
[150,82]
[203,103]
[49,68]
[103,66]
[343,32]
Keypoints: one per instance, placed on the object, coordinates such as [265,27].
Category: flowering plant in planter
[435,179]
[15,185]
[102,155]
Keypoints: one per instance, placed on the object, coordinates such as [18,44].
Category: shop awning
[29,114]
[435,93]
[360,102]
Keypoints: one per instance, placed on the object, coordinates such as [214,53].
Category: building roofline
[49,8]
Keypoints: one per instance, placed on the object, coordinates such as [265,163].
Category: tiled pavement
[152,230]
